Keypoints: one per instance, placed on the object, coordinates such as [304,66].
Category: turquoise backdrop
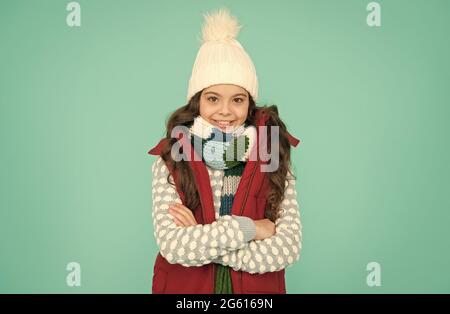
[81,106]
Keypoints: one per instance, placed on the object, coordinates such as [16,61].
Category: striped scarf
[229,152]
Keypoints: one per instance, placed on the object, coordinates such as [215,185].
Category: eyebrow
[239,94]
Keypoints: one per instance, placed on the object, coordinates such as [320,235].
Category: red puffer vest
[250,200]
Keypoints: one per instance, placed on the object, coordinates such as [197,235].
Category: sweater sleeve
[276,252]
[193,245]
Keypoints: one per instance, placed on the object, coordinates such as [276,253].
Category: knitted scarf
[229,152]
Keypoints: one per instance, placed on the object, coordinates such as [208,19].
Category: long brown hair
[277,179]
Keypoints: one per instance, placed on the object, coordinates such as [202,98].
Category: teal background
[80,107]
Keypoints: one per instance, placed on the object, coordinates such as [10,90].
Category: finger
[177,214]
[178,222]
[187,214]
[191,214]
[184,216]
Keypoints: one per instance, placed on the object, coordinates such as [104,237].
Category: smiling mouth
[223,123]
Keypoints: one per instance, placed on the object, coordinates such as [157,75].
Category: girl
[224,225]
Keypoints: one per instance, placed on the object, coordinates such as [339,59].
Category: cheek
[205,109]
[242,113]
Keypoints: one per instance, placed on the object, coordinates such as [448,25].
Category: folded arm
[194,245]
[276,252]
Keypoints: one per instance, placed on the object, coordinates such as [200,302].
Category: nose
[224,109]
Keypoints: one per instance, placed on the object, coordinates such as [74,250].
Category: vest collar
[201,174]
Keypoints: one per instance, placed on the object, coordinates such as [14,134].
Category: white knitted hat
[221,59]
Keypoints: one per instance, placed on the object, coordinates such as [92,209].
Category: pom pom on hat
[221,59]
[220,26]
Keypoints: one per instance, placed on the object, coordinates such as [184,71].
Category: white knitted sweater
[228,240]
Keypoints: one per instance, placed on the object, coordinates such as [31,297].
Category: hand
[265,228]
[182,216]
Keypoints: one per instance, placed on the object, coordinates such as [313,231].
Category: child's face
[224,105]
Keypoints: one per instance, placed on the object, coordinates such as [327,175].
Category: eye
[209,98]
[240,100]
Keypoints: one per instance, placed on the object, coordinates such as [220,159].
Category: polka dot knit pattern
[226,241]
